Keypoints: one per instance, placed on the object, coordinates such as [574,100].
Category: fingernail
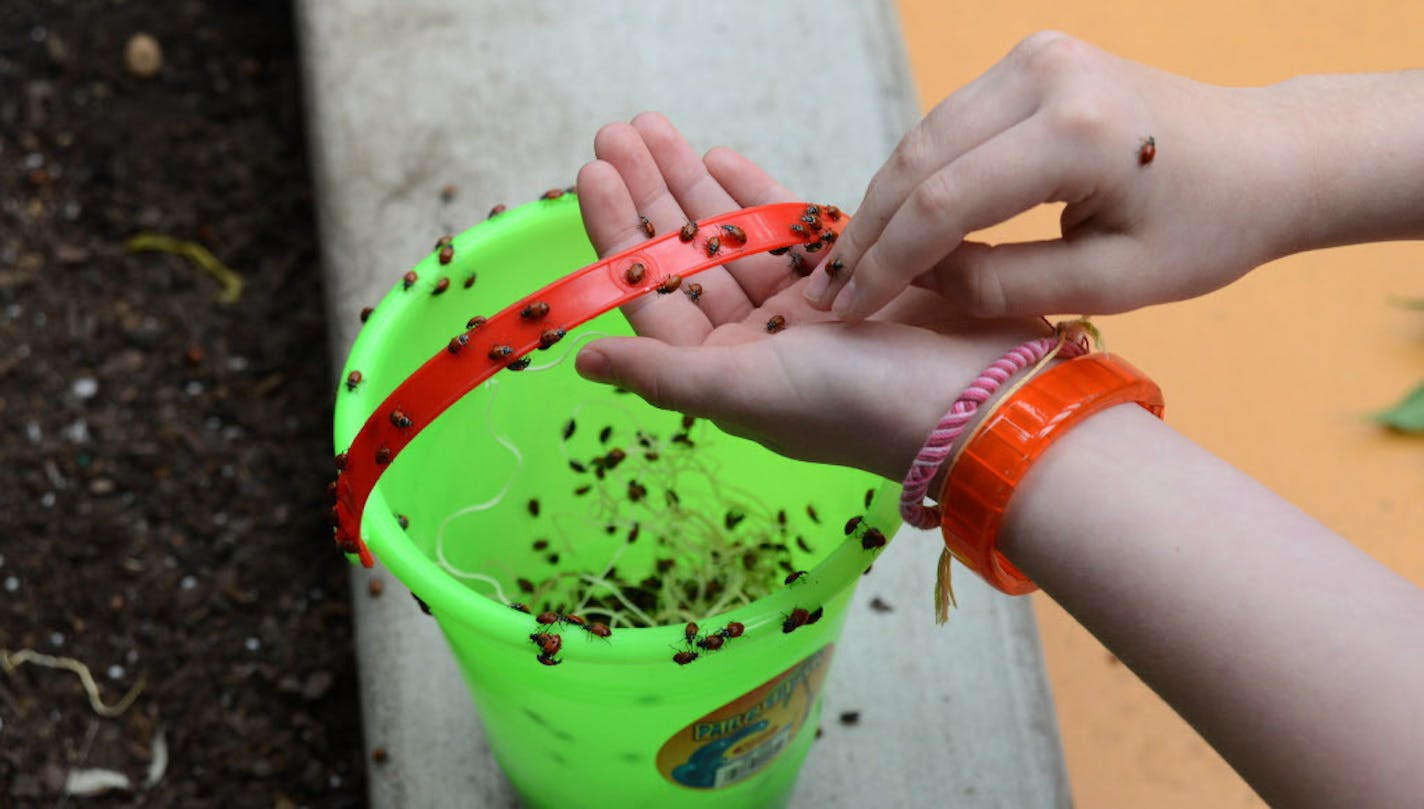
[846,301]
[593,365]
[816,291]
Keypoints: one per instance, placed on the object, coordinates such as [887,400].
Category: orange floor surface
[1276,373]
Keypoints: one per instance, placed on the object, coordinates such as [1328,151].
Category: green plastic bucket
[617,722]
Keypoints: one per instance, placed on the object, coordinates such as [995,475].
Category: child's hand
[863,395]
[1174,188]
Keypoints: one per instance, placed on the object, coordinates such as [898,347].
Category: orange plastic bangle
[981,482]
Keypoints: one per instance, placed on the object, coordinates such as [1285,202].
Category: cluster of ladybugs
[549,642]
[710,642]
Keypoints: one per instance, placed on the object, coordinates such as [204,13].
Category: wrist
[1357,158]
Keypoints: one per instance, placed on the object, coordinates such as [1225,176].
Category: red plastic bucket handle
[541,319]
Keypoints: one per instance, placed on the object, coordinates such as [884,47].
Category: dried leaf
[944,590]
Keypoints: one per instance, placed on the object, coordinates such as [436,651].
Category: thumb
[1031,279]
[686,378]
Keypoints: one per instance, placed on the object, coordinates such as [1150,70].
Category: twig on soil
[10,661]
[231,282]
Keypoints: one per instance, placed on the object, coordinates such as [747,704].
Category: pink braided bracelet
[937,448]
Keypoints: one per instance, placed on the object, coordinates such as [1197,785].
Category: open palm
[863,395]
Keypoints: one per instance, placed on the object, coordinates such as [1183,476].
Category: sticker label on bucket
[737,740]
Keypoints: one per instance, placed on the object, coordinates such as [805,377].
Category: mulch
[162,506]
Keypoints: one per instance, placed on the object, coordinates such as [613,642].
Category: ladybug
[711,643]
[713,245]
[598,628]
[775,324]
[683,658]
[496,211]
[732,630]
[795,620]
[694,291]
[646,225]
[383,456]
[834,266]
[550,336]
[852,524]
[408,280]
[400,419]
[872,539]
[735,235]
[499,352]
[552,193]
[366,313]
[670,284]
[1147,151]
[476,322]
[458,342]
[690,631]
[440,286]
[688,232]
[469,280]
[447,254]
[635,273]
[548,642]
[534,311]
[795,576]
[352,380]
[798,265]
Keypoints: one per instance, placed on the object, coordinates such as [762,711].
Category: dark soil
[162,513]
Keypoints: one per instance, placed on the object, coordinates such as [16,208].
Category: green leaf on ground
[1407,303]
[1408,415]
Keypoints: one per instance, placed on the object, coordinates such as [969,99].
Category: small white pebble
[11,584]
[131,657]
[237,363]
[77,432]
[33,432]
[56,639]
[334,781]
[85,387]
[115,672]
[188,582]
[193,388]
[253,644]
[47,499]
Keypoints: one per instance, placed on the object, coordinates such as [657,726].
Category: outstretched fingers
[1009,174]
[611,220]
[625,148]
[702,193]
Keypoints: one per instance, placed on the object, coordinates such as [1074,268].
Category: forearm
[1360,146]
[1293,653]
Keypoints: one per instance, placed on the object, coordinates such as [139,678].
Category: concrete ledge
[501,99]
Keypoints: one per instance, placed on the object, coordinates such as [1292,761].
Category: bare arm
[1297,656]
